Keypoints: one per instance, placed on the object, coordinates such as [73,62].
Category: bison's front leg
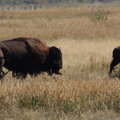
[19,75]
[112,65]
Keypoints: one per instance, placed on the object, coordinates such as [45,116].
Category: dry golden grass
[58,23]
[87,48]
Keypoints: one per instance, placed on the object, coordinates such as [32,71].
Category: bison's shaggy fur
[116,59]
[25,56]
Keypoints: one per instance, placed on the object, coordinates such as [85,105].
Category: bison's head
[55,62]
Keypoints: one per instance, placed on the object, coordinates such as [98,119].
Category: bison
[25,56]
[116,59]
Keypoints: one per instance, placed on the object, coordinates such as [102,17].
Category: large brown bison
[116,59]
[25,56]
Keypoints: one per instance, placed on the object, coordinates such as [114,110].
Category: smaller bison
[25,56]
[116,59]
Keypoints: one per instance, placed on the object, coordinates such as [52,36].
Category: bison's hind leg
[2,61]
[2,74]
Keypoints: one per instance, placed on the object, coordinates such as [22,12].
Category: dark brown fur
[116,59]
[25,56]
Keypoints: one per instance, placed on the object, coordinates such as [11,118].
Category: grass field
[84,91]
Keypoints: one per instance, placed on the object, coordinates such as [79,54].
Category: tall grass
[87,48]
[58,23]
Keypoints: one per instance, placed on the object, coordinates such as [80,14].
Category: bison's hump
[23,42]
